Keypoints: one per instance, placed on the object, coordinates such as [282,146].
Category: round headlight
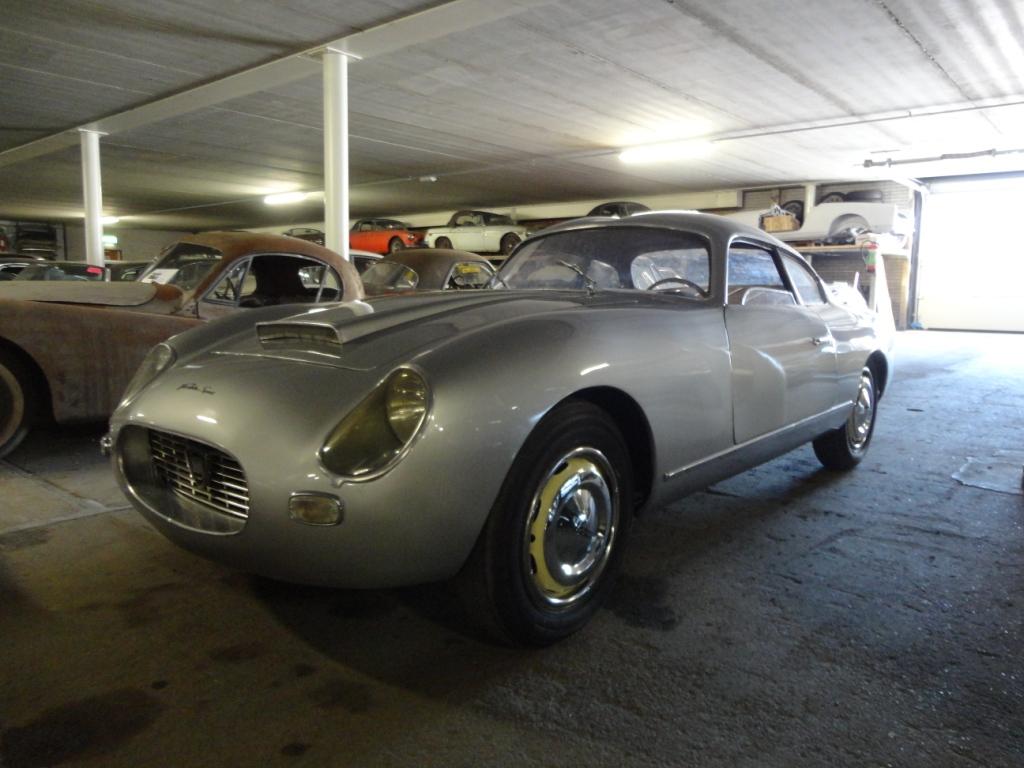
[158,360]
[406,403]
[376,432]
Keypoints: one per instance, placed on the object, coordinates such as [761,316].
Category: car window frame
[773,251]
[248,259]
[815,278]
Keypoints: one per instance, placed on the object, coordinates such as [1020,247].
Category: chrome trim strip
[675,473]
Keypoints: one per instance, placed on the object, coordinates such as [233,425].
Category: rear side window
[389,276]
[469,274]
[752,265]
[803,280]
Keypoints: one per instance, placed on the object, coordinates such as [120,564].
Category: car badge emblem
[196,388]
[198,468]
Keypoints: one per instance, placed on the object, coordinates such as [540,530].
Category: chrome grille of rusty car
[200,472]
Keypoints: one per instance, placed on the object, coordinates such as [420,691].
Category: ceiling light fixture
[668,152]
[109,220]
[285,198]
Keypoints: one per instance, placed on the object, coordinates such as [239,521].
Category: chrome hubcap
[858,427]
[571,526]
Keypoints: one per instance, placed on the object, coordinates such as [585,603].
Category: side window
[280,279]
[753,266]
[332,290]
[469,274]
[803,280]
[228,289]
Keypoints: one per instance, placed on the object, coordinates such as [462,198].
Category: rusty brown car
[68,349]
[427,269]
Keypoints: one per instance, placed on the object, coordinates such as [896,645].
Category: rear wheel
[508,242]
[18,402]
[395,245]
[554,540]
[843,448]
[442,242]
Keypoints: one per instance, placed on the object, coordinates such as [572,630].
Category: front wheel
[554,540]
[843,448]
[395,245]
[17,402]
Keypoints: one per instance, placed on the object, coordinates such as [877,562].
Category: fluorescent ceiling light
[285,198]
[665,153]
[109,220]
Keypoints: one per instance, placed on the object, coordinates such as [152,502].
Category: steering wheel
[681,281]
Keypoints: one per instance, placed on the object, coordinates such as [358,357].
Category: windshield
[631,258]
[184,265]
[385,276]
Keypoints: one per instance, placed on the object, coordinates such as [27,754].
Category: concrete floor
[786,617]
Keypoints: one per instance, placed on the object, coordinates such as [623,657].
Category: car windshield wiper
[587,280]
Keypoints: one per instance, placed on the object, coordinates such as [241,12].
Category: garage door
[971,260]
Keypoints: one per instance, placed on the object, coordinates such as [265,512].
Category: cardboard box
[785,222]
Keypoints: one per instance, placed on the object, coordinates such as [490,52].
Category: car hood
[381,332]
[157,298]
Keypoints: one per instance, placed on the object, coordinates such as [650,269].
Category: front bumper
[413,525]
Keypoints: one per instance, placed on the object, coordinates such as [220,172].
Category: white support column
[92,196]
[336,151]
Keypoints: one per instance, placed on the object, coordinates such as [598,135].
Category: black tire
[395,244]
[508,242]
[843,448]
[443,242]
[578,456]
[795,207]
[832,197]
[18,402]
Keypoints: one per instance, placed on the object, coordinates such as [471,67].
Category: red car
[382,236]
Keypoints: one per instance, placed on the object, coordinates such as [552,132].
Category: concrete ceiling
[528,104]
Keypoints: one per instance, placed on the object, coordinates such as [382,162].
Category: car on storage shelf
[833,219]
[618,209]
[69,348]
[427,269]
[382,236]
[500,438]
[477,231]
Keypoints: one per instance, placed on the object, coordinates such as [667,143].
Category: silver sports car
[504,437]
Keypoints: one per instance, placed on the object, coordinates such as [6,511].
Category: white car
[477,231]
[838,220]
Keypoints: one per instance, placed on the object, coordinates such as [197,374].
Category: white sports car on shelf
[477,231]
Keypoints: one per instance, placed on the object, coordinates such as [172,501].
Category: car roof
[237,245]
[714,227]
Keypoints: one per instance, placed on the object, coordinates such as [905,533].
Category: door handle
[817,341]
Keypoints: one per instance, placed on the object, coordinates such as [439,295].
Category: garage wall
[135,244]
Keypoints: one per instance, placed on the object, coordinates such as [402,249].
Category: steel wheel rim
[571,527]
[12,402]
[858,426]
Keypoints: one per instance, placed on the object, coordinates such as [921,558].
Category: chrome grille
[200,472]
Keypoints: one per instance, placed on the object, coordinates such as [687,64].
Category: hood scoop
[310,332]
